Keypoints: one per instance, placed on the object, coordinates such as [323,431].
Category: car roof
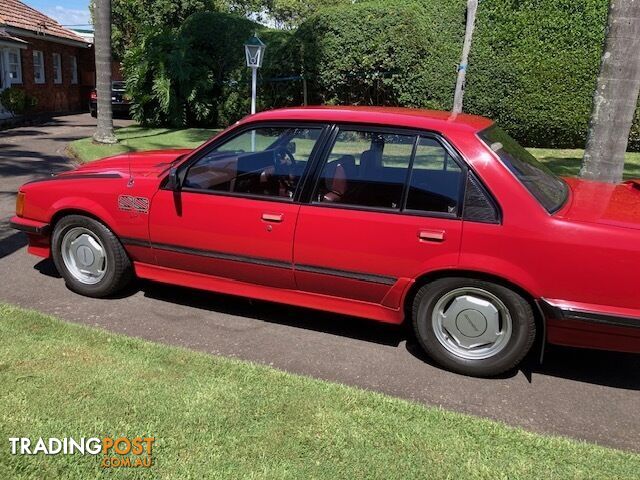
[388,116]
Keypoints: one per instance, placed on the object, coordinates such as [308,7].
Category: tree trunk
[472,6]
[616,95]
[102,15]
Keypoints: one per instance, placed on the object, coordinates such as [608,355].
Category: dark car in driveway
[119,101]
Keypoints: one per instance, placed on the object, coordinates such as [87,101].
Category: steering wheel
[282,153]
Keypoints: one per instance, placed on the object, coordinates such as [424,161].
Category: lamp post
[254,53]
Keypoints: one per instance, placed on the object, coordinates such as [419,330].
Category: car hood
[149,163]
[603,203]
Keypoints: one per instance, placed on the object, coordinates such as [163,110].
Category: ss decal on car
[129,203]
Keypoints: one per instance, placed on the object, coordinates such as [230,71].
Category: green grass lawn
[563,162]
[135,138]
[220,418]
[567,162]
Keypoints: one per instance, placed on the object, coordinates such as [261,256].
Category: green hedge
[533,67]
[383,53]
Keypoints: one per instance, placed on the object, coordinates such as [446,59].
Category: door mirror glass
[173,182]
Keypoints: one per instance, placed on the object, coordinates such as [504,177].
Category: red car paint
[579,264]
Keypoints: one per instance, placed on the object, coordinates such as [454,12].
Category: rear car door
[235,214]
[385,207]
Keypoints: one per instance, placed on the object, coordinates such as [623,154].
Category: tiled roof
[16,14]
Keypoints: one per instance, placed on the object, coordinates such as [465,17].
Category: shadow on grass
[570,166]
[190,134]
[611,369]
[591,366]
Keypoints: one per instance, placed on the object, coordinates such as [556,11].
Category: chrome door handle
[272,217]
[431,235]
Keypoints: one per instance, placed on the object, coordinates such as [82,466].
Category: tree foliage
[135,19]
[291,13]
[184,77]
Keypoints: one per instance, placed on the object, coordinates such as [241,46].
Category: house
[51,63]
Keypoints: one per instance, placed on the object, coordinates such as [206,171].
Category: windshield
[548,189]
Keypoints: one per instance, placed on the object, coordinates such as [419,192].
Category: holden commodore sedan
[389,214]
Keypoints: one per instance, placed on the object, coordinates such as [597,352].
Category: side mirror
[173,181]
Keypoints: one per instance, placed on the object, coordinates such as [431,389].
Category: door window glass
[436,179]
[266,161]
[366,169]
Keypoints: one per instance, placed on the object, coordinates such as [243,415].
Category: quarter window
[57,68]
[366,169]
[38,67]
[267,161]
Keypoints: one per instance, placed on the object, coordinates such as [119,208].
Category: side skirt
[291,297]
[577,326]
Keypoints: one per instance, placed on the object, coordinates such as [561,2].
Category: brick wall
[65,96]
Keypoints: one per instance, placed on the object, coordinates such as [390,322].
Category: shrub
[17,101]
[180,78]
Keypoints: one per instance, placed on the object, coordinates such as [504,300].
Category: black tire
[522,334]
[118,273]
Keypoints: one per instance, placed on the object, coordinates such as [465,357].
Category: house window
[38,66]
[74,69]
[15,66]
[57,68]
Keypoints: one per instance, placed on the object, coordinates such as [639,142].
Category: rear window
[548,189]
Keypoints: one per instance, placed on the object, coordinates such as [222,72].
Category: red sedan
[388,214]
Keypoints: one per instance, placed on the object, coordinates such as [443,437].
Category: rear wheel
[89,257]
[473,326]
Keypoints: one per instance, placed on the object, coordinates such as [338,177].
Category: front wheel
[473,327]
[89,257]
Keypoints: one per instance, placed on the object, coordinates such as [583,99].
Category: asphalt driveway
[583,394]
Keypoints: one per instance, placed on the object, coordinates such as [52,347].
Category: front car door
[386,206]
[235,214]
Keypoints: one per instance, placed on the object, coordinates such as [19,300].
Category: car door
[385,208]
[235,213]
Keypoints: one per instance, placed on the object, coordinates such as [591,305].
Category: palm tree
[102,16]
[616,95]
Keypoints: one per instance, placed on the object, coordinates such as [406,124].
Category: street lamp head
[254,51]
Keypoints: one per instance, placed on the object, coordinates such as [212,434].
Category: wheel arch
[480,275]
[65,212]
